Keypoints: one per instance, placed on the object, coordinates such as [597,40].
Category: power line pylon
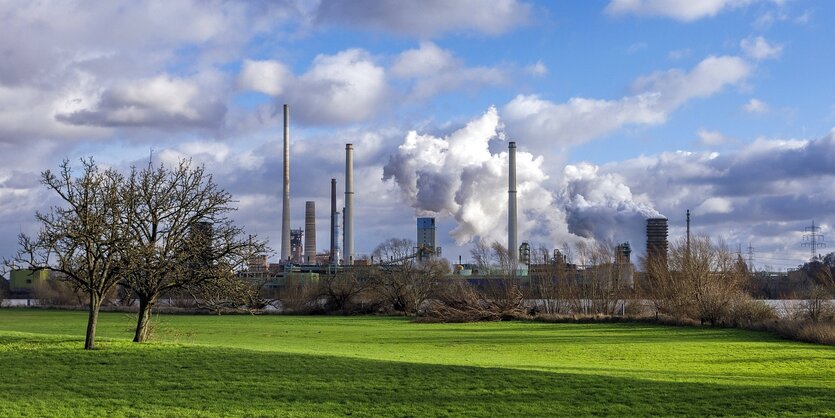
[813,239]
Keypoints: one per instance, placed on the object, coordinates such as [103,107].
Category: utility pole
[813,239]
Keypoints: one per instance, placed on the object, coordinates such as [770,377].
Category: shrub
[748,311]
[54,292]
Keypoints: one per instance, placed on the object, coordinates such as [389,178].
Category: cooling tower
[657,240]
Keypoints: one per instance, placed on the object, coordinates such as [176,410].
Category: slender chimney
[349,204]
[512,247]
[688,232]
[285,212]
[333,260]
[310,232]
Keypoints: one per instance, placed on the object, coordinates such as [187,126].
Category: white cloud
[435,70]
[341,88]
[683,10]
[162,101]
[711,138]
[759,49]
[425,61]
[714,205]
[756,106]
[537,69]
[268,77]
[580,119]
[427,18]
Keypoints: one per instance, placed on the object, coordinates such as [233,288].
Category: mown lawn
[373,366]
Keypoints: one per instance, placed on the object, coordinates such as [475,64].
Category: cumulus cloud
[268,77]
[759,49]
[436,70]
[341,88]
[580,119]
[162,101]
[428,18]
[682,10]
[756,106]
[768,188]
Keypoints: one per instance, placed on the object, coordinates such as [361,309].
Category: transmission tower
[813,239]
[750,257]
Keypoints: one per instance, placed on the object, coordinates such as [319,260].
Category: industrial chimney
[348,225]
[285,211]
[334,260]
[310,232]
[512,248]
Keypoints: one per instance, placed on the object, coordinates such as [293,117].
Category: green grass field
[373,366]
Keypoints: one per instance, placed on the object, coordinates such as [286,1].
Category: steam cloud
[458,176]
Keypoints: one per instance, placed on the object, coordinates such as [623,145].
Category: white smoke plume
[458,176]
[600,206]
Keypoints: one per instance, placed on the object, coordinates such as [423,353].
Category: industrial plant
[299,258]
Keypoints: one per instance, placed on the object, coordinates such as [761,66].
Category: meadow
[388,366]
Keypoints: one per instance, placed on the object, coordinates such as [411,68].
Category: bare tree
[398,259]
[341,291]
[83,239]
[4,289]
[702,281]
[551,282]
[600,288]
[227,292]
[180,237]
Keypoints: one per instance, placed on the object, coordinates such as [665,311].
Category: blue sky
[622,109]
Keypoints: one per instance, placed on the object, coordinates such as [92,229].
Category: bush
[745,312]
[54,292]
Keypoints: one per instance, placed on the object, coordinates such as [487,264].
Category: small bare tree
[83,239]
[341,291]
[180,237]
[398,259]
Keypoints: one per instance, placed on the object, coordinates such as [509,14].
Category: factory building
[23,282]
[296,245]
[427,244]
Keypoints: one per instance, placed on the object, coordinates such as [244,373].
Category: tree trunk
[146,304]
[92,319]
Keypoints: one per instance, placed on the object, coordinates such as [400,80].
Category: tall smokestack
[285,212]
[512,247]
[349,205]
[310,232]
[333,259]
